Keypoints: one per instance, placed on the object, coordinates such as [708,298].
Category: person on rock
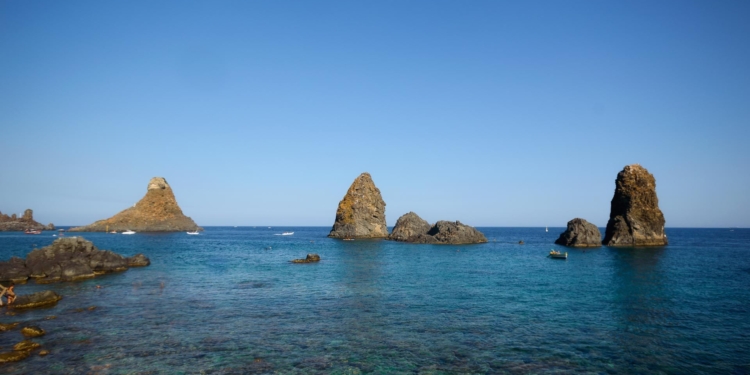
[8,293]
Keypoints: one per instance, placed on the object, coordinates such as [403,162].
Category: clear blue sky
[494,113]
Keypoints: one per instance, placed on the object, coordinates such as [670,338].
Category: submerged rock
[580,233]
[14,223]
[14,356]
[635,218]
[361,213]
[26,345]
[157,211]
[311,258]
[32,331]
[67,259]
[413,229]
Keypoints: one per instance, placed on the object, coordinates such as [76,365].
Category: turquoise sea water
[229,302]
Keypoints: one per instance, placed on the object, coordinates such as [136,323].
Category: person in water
[8,293]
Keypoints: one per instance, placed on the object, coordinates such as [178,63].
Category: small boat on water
[128,232]
[554,254]
[32,231]
[195,232]
[287,233]
[348,239]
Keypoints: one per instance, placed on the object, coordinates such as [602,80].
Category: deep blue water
[229,302]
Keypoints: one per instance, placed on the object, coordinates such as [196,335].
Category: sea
[229,301]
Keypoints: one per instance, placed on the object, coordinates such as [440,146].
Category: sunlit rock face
[157,211]
[361,213]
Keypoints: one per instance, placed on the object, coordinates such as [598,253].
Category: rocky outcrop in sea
[413,229]
[156,212]
[66,259]
[580,233]
[14,223]
[361,214]
[635,218]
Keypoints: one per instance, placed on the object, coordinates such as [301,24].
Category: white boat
[128,232]
[195,232]
[554,254]
[287,233]
[546,229]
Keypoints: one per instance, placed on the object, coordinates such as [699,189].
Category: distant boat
[546,229]
[554,254]
[29,231]
[128,232]
[195,232]
[287,233]
[113,232]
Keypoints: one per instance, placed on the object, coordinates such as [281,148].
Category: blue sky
[263,112]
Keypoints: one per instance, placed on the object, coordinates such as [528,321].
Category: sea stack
[14,223]
[580,233]
[361,214]
[156,212]
[413,229]
[635,218]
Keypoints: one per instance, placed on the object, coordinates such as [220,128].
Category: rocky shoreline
[13,223]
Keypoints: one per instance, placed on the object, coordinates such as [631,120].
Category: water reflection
[642,306]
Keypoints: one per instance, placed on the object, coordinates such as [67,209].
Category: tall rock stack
[361,214]
[635,218]
[156,212]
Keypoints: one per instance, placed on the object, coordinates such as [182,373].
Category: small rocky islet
[634,218]
[157,211]
[361,215]
[25,222]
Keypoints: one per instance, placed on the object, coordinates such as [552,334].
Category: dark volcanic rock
[408,226]
[13,223]
[411,228]
[311,258]
[361,214]
[635,218]
[38,299]
[156,212]
[138,260]
[580,233]
[69,258]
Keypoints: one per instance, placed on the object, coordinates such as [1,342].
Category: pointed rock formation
[361,214]
[635,218]
[156,212]
[413,229]
[13,223]
[580,233]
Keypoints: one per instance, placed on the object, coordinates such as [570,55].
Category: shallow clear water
[228,301]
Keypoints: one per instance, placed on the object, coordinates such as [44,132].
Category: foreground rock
[635,218]
[14,223]
[156,212]
[413,229]
[580,233]
[39,299]
[66,259]
[361,214]
[32,331]
[311,258]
